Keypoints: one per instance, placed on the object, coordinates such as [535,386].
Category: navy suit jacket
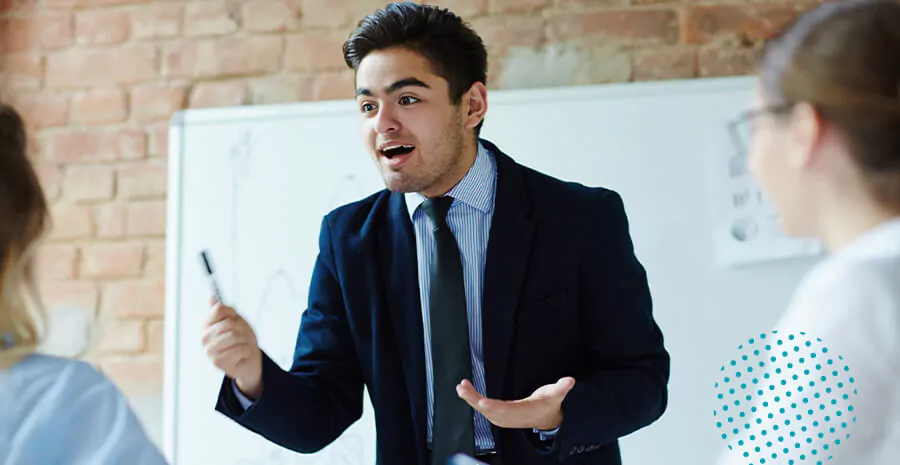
[564,295]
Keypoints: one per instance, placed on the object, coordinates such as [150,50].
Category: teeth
[394,147]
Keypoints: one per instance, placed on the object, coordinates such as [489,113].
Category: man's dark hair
[455,51]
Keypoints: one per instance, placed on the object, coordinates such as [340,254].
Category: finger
[225,341]
[466,391]
[230,323]
[230,359]
[243,350]
[219,312]
[563,386]
[219,328]
[553,392]
[231,329]
[216,314]
[490,408]
[214,299]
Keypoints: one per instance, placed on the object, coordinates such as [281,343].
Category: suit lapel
[397,247]
[509,247]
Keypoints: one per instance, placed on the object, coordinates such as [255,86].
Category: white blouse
[827,383]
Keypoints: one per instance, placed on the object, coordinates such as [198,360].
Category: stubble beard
[448,150]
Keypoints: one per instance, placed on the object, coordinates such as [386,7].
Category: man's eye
[407,100]
[367,107]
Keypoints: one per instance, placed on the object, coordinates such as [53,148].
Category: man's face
[415,133]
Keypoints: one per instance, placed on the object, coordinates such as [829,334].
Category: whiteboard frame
[173,288]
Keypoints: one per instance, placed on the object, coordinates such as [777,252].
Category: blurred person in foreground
[53,410]
[825,149]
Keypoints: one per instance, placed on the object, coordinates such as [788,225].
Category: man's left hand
[541,410]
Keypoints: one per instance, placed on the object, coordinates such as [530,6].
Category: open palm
[541,410]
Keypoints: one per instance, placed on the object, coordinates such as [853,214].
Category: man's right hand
[231,345]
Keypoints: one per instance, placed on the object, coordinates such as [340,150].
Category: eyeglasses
[740,128]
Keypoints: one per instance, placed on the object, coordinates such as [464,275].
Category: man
[489,309]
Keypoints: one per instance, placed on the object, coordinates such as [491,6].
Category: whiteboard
[251,185]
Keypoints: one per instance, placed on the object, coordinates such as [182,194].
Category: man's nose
[385,121]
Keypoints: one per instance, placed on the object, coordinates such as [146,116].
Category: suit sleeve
[624,386]
[308,407]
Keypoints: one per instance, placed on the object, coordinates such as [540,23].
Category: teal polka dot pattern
[785,398]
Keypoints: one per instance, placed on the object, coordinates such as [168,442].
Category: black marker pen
[204,256]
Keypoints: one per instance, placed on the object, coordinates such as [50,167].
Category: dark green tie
[454,429]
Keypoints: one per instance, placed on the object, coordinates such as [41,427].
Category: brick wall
[98,79]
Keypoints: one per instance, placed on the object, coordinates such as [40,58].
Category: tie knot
[437,209]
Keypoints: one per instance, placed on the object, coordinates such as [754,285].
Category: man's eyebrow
[406,82]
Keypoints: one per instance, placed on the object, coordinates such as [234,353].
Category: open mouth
[397,150]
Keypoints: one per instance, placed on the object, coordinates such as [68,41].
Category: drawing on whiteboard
[737,166]
[242,149]
[241,166]
[273,454]
[270,300]
[351,452]
[348,189]
[744,229]
[279,295]
[276,455]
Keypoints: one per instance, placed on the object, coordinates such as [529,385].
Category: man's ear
[475,105]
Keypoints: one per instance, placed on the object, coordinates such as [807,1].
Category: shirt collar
[476,188]
[882,240]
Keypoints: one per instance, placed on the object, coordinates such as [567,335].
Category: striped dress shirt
[469,219]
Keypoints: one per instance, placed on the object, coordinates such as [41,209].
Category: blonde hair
[24,218]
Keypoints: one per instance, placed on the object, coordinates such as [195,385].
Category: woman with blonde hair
[825,149]
[52,410]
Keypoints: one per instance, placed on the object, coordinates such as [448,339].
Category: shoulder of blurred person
[853,297]
[851,301]
[59,410]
